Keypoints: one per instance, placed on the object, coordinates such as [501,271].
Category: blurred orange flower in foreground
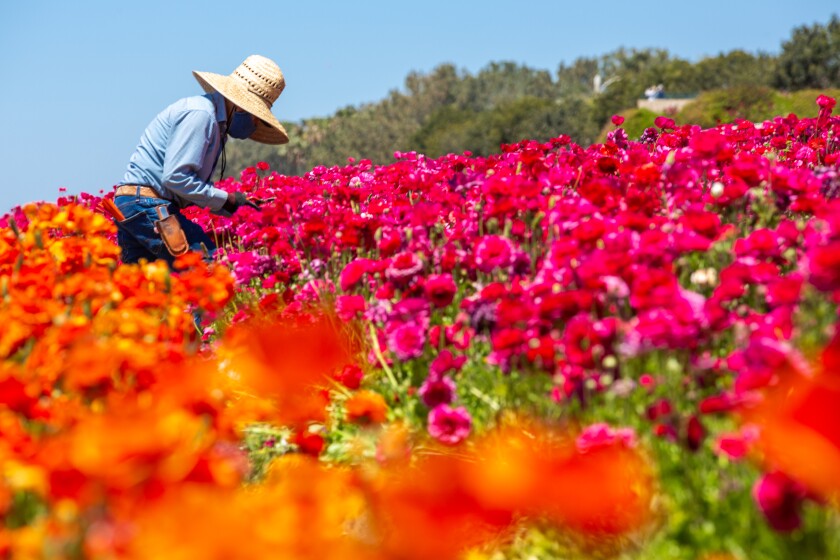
[799,422]
[302,511]
[288,362]
[366,407]
[444,503]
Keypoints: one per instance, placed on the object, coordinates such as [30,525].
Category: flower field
[625,350]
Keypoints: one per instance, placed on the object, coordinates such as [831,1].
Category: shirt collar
[219,103]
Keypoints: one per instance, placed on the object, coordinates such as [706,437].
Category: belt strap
[136,190]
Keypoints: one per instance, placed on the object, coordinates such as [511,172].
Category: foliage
[723,106]
[481,133]
[810,58]
[757,104]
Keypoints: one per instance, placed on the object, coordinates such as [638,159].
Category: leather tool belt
[132,190]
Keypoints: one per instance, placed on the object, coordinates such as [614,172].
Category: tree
[810,58]
[733,69]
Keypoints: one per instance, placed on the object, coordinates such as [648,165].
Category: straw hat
[254,86]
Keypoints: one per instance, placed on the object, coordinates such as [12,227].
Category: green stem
[378,353]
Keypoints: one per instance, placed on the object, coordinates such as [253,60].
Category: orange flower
[287,362]
[366,407]
[445,503]
[799,431]
[304,511]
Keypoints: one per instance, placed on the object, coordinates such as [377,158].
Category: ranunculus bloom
[440,289]
[617,120]
[446,362]
[350,307]
[780,500]
[664,123]
[352,273]
[403,268]
[350,376]
[437,390]
[449,425]
[492,252]
[826,102]
[366,407]
[600,435]
[407,341]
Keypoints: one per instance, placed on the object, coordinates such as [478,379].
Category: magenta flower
[493,252]
[780,500]
[826,102]
[449,425]
[407,341]
[437,390]
[250,264]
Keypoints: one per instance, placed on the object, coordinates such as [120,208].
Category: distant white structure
[600,86]
[656,101]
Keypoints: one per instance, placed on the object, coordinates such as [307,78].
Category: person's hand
[237,200]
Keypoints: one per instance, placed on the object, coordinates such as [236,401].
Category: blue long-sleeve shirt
[179,149]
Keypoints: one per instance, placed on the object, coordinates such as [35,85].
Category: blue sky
[80,80]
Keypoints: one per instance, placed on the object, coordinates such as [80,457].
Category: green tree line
[451,110]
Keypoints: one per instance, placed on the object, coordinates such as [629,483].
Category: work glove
[237,200]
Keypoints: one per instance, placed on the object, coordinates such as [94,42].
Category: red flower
[352,273]
[309,443]
[350,376]
[440,289]
[664,123]
[694,433]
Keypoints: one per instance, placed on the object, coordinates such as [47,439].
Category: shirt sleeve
[192,134]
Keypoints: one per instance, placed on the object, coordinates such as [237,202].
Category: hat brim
[269,130]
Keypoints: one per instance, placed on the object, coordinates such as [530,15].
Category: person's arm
[191,136]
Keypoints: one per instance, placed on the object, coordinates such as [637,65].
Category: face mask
[242,125]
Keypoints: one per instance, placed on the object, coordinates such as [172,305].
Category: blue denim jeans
[138,239]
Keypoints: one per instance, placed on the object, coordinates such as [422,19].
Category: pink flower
[736,446]
[492,252]
[352,273]
[250,264]
[437,390]
[407,341]
[664,123]
[780,500]
[826,102]
[403,268]
[599,435]
[617,120]
[449,425]
[446,362]
[350,307]
[440,289]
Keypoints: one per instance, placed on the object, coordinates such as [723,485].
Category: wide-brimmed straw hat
[254,86]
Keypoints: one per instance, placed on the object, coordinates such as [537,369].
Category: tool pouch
[170,231]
